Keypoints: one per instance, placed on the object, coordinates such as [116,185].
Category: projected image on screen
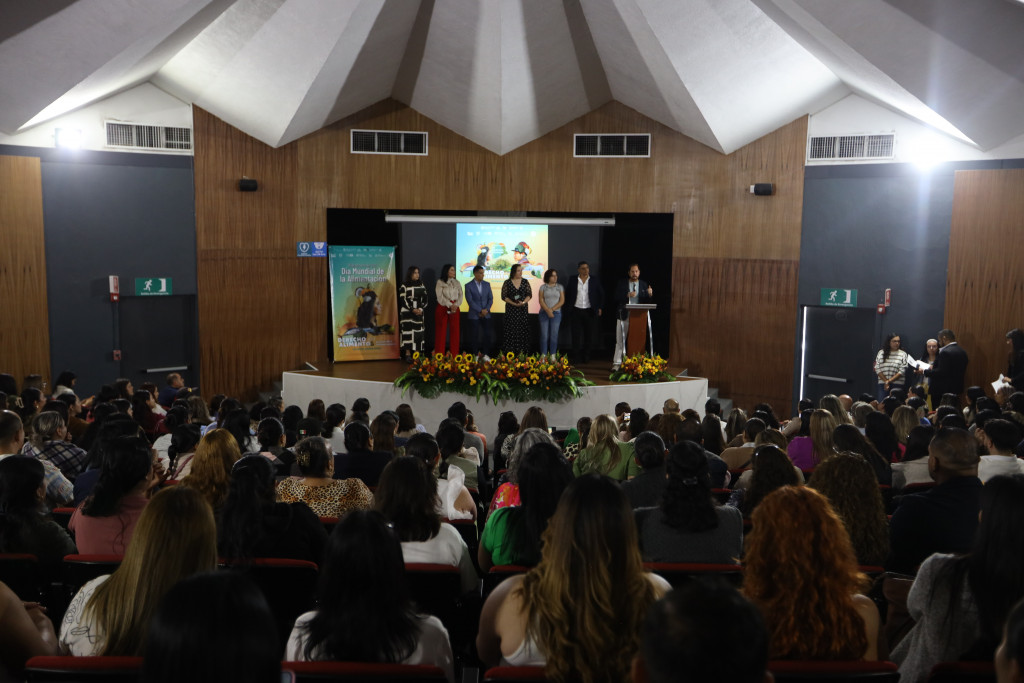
[497,247]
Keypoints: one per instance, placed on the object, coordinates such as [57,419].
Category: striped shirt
[895,364]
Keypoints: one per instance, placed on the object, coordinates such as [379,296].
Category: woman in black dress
[412,299]
[516,294]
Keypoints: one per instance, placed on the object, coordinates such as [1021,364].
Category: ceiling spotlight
[69,138]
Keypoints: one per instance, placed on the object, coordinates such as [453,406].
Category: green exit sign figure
[153,286]
[846,298]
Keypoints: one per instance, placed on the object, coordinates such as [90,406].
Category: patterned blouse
[330,500]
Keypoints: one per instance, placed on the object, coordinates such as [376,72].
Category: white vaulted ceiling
[505,72]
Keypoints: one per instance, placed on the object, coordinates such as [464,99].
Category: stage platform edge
[301,387]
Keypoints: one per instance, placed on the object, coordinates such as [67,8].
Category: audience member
[105,522]
[359,460]
[691,430]
[334,427]
[942,519]
[848,483]
[1009,657]
[590,574]
[451,440]
[738,457]
[407,427]
[182,449]
[605,454]
[689,526]
[508,492]
[458,412]
[406,497]
[848,438]
[365,612]
[834,406]
[533,417]
[713,434]
[48,441]
[913,469]
[58,489]
[454,500]
[317,487]
[252,524]
[735,426]
[801,571]
[214,627]
[703,631]
[215,455]
[879,431]
[1000,438]
[382,431]
[960,604]
[645,489]
[513,534]
[25,632]
[25,526]
[508,427]
[110,615]
[772,470]
[271,439]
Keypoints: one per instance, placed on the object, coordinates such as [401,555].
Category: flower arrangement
[642,369]
[506,377]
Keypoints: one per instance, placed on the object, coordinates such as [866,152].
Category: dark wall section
[877,226]
[130,215]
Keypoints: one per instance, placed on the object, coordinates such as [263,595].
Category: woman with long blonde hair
[216,454]
[110,614]
[801,571]
[823,427]
[578,613]
[605,453]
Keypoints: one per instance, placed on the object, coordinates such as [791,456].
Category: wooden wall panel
[734,320]
[24,330]
[261,309]
[715,217]
[985,286]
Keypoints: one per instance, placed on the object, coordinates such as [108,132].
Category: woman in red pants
[446,313]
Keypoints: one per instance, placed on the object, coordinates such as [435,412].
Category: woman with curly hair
[848,438]
[605,454]
[849,484]
[801,571]
[772,469]
[216,453]
[578,613]
[689,526]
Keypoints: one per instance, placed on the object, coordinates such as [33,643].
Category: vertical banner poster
[364,303]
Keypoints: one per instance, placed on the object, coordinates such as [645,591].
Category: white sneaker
[487,359]
[554,357]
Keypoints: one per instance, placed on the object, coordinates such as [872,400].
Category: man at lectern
[632,290]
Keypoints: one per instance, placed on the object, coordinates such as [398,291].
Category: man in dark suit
[632,290]
[584,299]
[946,376]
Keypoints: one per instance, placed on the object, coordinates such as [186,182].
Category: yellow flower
[472,381]
[415,355]
[510,355]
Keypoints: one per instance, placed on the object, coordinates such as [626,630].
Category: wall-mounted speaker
[250,185]
[762,189]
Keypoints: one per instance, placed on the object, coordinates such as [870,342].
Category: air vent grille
[605,145]
[138,136]
[851,147]
[389,142]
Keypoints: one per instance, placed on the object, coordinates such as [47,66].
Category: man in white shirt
[584,299]
[1000,437]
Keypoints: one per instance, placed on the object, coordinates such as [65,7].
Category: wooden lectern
[639,329]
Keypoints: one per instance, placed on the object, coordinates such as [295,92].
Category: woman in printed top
[317,487]
[412,301]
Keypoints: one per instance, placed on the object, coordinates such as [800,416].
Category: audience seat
[80,569]
[288,585]
[678,574]
[963,672]
[786,671]
[499,573]
[62,516]
[437,590]
[329,524]
[99,669]
[20,571]
[514,674]
[355,672]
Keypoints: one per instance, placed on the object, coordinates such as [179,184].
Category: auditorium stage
[344,382]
